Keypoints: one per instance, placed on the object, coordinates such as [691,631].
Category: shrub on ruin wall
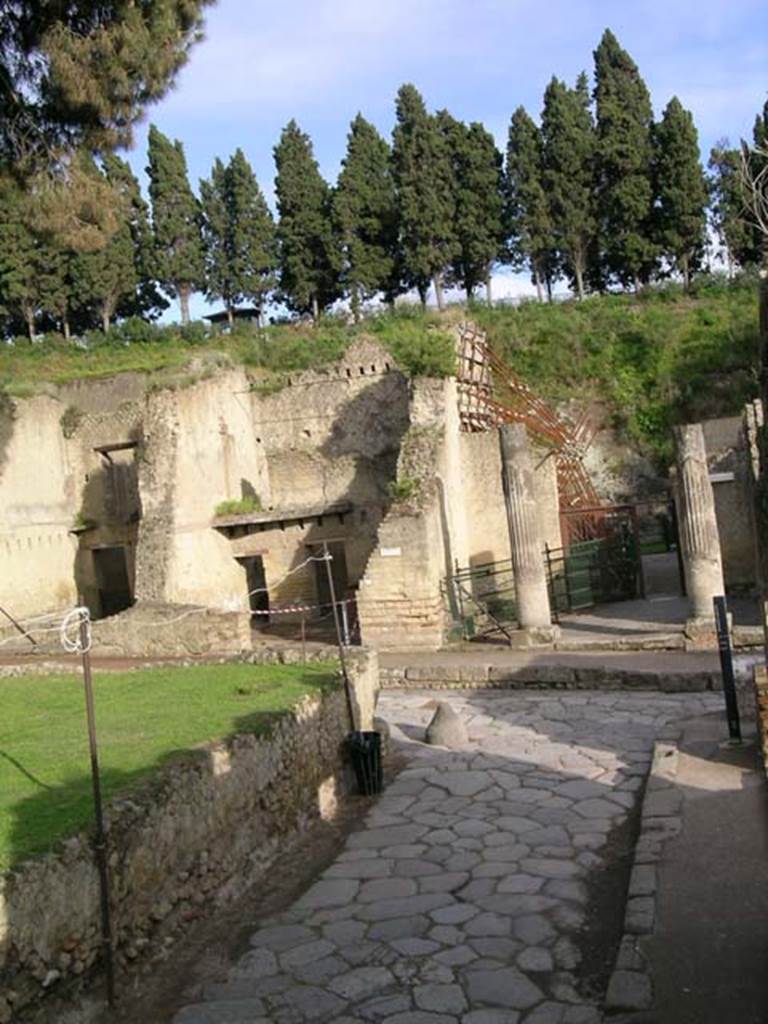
[239,506]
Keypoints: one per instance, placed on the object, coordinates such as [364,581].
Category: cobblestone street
[462,897]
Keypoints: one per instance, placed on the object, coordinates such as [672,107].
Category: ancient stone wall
[320,454]
[198,833]
[200,449]
[328,436]
[455,517]
[54,490]
[727,459]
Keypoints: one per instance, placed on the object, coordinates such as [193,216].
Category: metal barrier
[593,572]
[483,597]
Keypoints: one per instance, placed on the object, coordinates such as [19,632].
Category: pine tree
[478,224]
[145,300]
[22,263]
[425,191]
[681,190]
[309,260]
[81,73]
[624,165]
[530,239]
[569,149]
[365,213]
[175,220]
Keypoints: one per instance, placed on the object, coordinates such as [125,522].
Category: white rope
[278,583]
[30,633]
[67,624]
[70,632]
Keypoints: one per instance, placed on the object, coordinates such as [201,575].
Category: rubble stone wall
[197,834]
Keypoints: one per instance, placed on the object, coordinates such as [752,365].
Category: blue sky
[322,61]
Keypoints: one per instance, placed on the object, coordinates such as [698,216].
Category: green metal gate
[593,572]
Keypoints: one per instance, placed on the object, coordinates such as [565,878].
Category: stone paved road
[460,899]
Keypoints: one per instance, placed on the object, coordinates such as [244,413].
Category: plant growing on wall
[70,420]
[402,489]
[239,506]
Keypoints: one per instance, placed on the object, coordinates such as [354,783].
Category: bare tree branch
[753,178]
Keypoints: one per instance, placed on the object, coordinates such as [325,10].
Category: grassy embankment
[144,719]
[653,360]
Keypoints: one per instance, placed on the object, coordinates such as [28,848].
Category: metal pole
[637,552]
[726,667]
[303,638]
[18,626]
[345,622]
[100,845]
[678,549]
[342,659]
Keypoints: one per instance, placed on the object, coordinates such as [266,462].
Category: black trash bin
[365,749]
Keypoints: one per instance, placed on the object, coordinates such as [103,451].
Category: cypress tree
[238,234]
[252,241]
[145,300]
[681,190]
[478,226]
[60,287]
[216,242]
[106,275]
[175,220]
[22,264]
[308,257]
[425,187]
[366,215]
[527,215]
[624,165]
[569,148]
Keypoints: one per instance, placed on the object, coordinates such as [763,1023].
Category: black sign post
[726,668]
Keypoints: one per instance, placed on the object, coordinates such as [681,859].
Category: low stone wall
[197,834]
[153,630]
[761,709]
[459,677]
[172,630]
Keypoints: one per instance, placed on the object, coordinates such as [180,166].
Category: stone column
[524,538]
[699,538]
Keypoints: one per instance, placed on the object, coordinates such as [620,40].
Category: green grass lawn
[143,719]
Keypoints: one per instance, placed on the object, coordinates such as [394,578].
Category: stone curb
[630,989]
[546,677]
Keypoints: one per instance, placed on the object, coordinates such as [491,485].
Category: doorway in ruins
[256,583]
[110,567]
[336,549]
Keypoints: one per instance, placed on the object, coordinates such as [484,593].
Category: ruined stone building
[109,491]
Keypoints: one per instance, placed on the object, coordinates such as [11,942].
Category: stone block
[629,990]
[473,674]
[446,728]
[432,673]
[640,915]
